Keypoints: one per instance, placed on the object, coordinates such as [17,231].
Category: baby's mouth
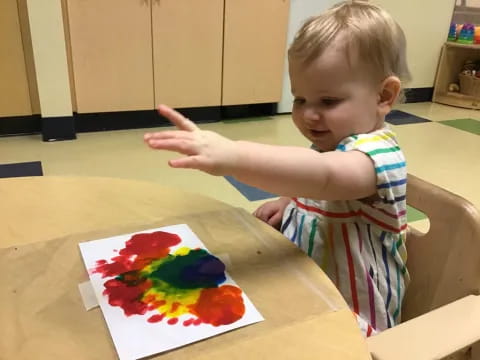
[316,133]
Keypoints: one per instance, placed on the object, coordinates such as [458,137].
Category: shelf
[457,99]
[463,46]
[452,59]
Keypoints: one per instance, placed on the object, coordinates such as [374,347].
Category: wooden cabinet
[187,52]
[14,88]
[134,54]
[254,50]
[111,43]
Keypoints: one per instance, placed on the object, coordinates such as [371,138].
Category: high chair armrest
[435,335]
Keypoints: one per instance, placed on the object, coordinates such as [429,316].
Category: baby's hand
[206,150]
[272,212]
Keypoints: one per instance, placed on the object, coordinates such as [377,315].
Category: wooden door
[254,50]
[111,46]
[187,52]
[14,89]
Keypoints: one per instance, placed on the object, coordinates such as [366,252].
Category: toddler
[343,199]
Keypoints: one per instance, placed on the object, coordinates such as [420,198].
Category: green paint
[469,125]
[414,214]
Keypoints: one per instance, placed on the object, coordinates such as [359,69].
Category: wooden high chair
[441,310]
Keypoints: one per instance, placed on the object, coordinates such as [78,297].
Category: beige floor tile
[439,112]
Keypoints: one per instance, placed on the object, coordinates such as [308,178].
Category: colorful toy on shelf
[452,34]
[477,35]
[467,34]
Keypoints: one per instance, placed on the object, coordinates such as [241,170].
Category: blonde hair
[376,37]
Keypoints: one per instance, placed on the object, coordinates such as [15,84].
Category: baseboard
[58,128]
[65,128]
[250,110]
[125,120]
[20,125]
[415,95]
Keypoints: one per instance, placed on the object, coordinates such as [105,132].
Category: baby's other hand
[206,150]
[272,212]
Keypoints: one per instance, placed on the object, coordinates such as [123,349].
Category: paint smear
[148,277]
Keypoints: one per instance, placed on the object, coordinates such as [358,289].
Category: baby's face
[332,100]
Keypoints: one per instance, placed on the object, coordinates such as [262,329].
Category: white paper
[88,295]
[134,337]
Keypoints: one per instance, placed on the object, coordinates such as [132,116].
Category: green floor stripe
[469,125]
[414,214]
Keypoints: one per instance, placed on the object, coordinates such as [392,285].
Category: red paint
[139,251]
[197,322]
[219,306]
[127,297]
[175,307]
[188,322]
[154,304]
[172,321]
[156,318]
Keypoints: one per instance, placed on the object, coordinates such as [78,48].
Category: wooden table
[44,218]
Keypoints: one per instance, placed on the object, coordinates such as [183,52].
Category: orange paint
[219,306]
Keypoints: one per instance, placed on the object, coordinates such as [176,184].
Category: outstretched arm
[285,170]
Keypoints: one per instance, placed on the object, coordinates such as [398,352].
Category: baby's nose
[311,114]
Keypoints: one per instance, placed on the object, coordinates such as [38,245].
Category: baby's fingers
[169,134]
[177,119]
[189,162]
[262,213]
[183,146]
[275,220]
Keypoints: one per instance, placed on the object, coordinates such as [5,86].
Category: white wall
[426,24]
[300,10]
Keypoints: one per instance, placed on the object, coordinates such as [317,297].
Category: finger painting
[161,288]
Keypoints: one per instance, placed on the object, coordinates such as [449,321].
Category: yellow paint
[183,299]
[182,251]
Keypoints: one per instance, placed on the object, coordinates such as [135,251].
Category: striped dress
[360,244]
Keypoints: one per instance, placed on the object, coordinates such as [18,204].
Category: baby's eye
[330,102]
[299,101]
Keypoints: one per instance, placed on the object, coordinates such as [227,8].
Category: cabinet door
[111,46]
[254,50]
[187,52]
[14,90]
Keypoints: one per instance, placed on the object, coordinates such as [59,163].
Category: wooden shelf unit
[452,60]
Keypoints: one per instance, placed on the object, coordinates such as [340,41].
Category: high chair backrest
[444,264]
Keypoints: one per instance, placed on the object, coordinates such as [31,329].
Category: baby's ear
[388,94]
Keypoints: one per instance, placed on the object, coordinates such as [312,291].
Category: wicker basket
[469,85]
